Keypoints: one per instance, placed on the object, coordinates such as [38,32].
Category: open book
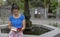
[13,29]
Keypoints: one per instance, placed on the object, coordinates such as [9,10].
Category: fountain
[41,31]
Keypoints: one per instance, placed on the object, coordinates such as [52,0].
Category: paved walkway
[45,21]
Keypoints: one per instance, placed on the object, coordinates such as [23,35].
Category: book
[13,29]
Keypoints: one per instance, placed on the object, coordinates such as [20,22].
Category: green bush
[54,24]
[53,6]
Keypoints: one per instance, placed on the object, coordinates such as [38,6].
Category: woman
[16,22]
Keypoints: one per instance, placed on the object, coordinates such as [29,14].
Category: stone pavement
[6,35]
[45,21]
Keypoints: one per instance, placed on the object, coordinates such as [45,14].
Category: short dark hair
[15,6]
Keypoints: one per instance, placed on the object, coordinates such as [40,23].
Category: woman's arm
[9,24]
[24,22]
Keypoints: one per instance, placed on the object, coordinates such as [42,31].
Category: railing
[3,26]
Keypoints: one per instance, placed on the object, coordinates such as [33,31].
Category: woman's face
[15,11]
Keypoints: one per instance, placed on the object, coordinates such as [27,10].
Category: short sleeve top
[17,22]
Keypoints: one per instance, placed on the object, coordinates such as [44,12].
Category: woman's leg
[20,34]
[11,34]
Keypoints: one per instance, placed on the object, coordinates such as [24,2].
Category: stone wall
[5,11]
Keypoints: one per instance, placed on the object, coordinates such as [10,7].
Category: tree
[20,3]
[27,14]
[46,6]
[36,3]
[53,6]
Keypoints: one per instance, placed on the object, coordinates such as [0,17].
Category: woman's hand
[9,27]
[23,29]
[9,24]
[24,24]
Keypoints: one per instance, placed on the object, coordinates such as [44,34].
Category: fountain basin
[54,32]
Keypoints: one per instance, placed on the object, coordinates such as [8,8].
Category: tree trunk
[27,15]
[46,6]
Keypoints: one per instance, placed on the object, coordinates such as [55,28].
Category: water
[36,31]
